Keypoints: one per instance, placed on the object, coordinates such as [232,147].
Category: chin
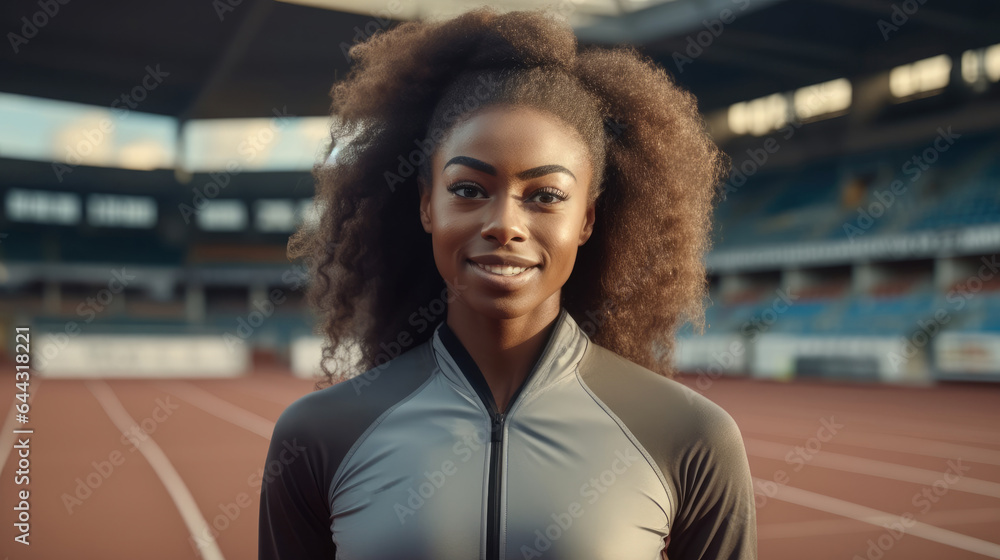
[502,307]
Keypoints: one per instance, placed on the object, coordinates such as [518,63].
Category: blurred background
[155,157]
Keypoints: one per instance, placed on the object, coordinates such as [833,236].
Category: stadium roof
[244,58]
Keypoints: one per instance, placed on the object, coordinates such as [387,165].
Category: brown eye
[549,196]
[465,190]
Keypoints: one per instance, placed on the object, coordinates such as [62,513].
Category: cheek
[560,240]
[450,219]
[449,237]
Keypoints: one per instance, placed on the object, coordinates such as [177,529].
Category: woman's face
[507,209]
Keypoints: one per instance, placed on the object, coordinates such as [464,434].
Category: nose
[504,222]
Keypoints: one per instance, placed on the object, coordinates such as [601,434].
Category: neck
[505,349]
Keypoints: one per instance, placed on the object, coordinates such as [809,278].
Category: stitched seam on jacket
[635,441]
[371,428]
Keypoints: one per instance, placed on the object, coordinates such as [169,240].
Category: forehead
[515,138]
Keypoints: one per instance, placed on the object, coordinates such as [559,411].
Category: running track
[867,455]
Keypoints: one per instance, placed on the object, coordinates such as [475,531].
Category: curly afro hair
[374,283]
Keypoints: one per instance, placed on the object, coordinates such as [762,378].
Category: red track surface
[863,449]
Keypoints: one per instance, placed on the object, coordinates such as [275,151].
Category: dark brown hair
[374,283]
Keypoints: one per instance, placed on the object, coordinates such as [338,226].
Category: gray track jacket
[596,458]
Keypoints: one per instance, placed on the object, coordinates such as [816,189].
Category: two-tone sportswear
[595,458]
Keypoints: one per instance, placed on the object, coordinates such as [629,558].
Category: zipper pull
[497,428]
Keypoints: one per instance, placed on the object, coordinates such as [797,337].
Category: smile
[500,270]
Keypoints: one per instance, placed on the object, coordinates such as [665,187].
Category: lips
[501,270]
[502,264]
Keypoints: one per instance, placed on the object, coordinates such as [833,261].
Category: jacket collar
[560,355]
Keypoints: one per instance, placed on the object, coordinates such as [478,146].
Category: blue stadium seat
[962,187]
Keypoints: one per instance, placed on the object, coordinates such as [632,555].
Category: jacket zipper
[497,420]
[497,424]
[493,518]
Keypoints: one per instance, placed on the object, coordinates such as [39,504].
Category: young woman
[509,228]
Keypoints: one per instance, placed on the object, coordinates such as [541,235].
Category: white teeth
[502,270]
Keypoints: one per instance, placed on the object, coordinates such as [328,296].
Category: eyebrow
[532,173]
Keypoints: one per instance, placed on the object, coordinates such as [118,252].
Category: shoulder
[327,422]
[670,419]
[696,445]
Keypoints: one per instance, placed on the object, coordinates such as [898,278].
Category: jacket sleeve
[294,519]
[716,517]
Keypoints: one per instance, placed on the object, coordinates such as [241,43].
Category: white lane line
[157,459]
[901,444]
[876,424]
[220,408]
[882,469]
[826,527]
[878,518]
[7,437]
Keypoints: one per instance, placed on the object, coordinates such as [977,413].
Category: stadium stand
[857,210]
